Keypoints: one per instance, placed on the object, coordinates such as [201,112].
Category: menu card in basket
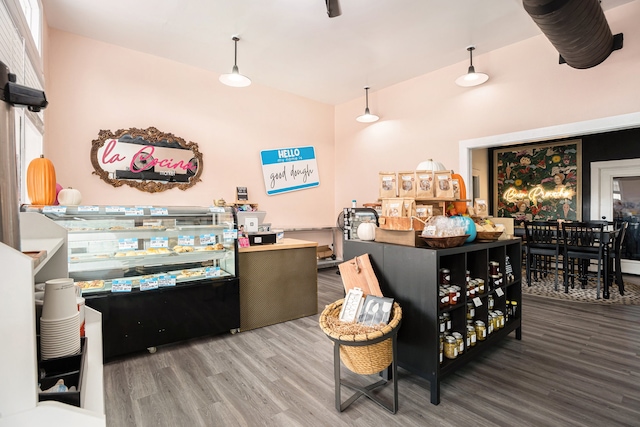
[358,273]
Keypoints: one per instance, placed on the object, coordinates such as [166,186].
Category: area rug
[545,288]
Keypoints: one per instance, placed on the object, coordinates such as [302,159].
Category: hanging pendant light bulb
[471,78]
[235,79]
[367,117]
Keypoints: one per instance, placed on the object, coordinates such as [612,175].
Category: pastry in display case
[158,274]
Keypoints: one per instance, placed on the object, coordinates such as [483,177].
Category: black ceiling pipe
[577,29]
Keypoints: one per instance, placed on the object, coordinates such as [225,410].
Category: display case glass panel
[131,248]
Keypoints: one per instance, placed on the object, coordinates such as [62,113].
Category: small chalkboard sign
[242,193]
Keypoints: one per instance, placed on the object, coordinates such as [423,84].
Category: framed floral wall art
[539,182]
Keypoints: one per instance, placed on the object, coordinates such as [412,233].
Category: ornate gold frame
[153,136]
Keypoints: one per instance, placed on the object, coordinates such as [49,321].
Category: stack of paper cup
[60,321]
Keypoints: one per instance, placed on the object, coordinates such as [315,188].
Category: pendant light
[367,117]
[471,78]
[235,79]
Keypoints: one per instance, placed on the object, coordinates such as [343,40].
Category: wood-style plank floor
[577,365]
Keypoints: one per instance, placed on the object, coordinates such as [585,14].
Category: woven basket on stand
[356,355]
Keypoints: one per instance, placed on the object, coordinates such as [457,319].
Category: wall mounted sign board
[539,182]
[289,169]
[146,159]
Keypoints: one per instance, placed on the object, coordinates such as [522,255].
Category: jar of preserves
[514,309]
[501,320]
[489,324]
[467,276]
[481,330]
[444,298]
[490,302]
[471,336]
[450,347]
[459,341]
[507,311]
[441,348]
[497,281]
[494,268]
[471,289]
[453,295]
[471,310]
[447,321]
[480,287]
[493,322]
[445,276]
[442,323]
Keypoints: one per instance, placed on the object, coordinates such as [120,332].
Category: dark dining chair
[615,255]
[582,243]
[542,248]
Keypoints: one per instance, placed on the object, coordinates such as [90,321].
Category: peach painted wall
[427,116]
[92,86]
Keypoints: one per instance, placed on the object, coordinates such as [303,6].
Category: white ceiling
[292,45]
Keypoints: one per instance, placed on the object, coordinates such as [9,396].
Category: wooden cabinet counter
[278,282]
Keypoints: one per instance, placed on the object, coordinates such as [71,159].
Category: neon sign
[513,195]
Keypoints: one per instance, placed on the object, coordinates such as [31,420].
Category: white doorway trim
[588,127]
[602,174]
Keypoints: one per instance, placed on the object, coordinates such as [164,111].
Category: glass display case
[158,274]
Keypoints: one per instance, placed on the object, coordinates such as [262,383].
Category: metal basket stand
[390,374]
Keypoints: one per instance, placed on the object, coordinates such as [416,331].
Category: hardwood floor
[577,365]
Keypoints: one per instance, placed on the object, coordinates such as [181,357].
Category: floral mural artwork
[538,182]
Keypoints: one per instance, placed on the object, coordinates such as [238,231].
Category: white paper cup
[59,299]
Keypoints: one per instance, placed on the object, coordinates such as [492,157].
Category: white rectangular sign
[289,169]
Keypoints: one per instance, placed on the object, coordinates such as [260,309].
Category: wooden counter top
[285,243]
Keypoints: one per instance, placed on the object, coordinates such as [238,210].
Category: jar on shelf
[500,320]
[471,289]
[494,268]
[450,347]
[497,281]
[507,311]
[471,310]
[493,322]
[467,276]
[480,286]
[481,330]
[447,321]
[444,297]
[489,324]
[490,302]
[459,341]
[514,309]
[471,336]
[445,276]
[453,295]
[442,323]
[441,348]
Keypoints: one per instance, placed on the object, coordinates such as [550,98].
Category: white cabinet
[18,357]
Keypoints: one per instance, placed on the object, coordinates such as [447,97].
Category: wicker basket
[445,242]
[363,359]
[488,236]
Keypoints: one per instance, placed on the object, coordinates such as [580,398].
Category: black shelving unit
[411,276]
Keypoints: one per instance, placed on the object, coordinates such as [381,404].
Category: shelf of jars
[449,296]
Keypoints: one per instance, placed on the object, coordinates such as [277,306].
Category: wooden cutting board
[37,256]
[358,273]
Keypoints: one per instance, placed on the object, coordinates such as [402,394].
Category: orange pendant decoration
[41,181]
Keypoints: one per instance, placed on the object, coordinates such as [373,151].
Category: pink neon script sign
[144,156]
